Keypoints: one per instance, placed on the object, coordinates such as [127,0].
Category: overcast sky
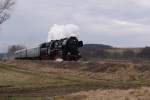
[124,23]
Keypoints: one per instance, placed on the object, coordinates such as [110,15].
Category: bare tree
[12,49]
[5,7]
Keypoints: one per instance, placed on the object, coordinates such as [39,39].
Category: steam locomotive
[66,49]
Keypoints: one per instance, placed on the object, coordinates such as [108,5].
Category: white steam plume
[63,31]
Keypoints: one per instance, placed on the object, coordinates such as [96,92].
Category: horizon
[5,51]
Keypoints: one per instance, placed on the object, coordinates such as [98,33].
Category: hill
[95,46]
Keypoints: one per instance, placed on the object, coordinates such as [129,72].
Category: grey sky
[124,23]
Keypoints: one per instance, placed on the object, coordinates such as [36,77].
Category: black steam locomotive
[66,49]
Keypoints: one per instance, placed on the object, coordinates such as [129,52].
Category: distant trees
[12,49]
[145,53]
[97,52]
[5,7]
[129,54]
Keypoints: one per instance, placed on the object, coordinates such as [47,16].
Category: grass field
[35,80]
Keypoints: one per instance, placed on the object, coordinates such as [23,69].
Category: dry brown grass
[78,76]
[109,70]
[112,94]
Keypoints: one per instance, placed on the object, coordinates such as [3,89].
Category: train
[66,49]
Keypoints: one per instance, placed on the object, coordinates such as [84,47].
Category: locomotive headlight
[69,53]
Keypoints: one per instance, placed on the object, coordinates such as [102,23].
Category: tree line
[115,53]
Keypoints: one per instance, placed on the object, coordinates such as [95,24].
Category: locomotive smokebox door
[80,43]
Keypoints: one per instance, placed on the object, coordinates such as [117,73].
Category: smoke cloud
[63,31]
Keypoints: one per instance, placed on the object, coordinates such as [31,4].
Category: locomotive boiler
[66,49]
